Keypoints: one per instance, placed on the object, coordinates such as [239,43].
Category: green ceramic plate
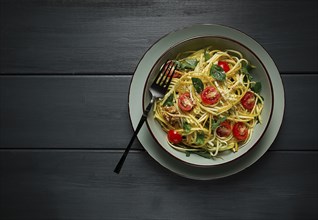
[196,167]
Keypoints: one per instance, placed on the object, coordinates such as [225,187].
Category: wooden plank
[67,112]
[81,111]
[44,184]
[111,37]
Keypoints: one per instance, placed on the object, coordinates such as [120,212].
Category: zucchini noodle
[211,94]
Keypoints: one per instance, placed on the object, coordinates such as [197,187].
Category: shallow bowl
[260,73]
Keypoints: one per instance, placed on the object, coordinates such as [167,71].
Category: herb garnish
[200,138]
[169,101]
[204,154]
[217,73]
[217,123]
[186,64]
[246,68]
[257,87]
[198,85]
[186,126]
[207,56]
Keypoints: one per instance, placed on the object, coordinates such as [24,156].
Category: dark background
[65,69]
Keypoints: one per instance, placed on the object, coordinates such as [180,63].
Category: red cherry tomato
[177,74]
[225,66]
[185,102]
[248,101]
[240,131]
[224,130]
[174,137]
[210,95]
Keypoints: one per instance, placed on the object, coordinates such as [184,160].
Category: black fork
[157,89]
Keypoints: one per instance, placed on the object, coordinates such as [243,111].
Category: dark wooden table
[64,123]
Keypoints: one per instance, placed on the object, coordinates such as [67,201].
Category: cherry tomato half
[248,101]
[185,102]
[174,137]
[224,130]
[210,95]
[240,131]
[225,66]
[177,74]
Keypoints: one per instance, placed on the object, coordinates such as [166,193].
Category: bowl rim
[267,122]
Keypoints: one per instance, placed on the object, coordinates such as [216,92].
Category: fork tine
[171,76]
[165,74]
[160,72]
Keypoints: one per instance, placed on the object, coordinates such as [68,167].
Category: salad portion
[212,104]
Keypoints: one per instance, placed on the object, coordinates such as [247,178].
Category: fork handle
[141,122]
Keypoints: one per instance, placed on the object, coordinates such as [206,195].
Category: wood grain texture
[82,111]
[65,68]
[81,185]
[111,36]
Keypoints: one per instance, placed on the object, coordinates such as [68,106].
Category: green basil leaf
[246,68]
[207,56]
[186,127]
[191,63]
[217,123]
[187,64]
[198,85]
[187,153]
[257,87]
[217,72]
[204,154]
[169,101]
[200,138]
